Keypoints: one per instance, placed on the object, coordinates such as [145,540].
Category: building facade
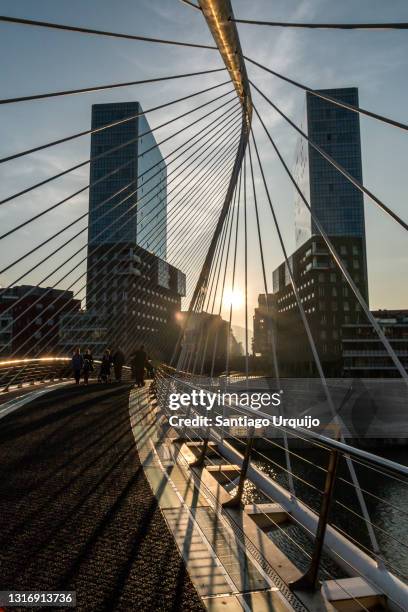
[338,206]
[364,355]
[83,329]
[263,322]
[30,318]
[137,295]
[132,293]
[334,200]
[136,169]
[327,300]
[6,335]
[206,342]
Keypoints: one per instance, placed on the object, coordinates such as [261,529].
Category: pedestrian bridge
[100,495]
[99,492]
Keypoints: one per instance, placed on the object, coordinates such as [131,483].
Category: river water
[386,499]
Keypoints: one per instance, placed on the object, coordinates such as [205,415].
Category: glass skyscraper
[337,204]
[328,302]
[132,293]
[137,214]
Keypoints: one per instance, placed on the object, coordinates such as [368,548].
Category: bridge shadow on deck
[77,512]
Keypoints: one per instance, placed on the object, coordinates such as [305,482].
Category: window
[321,277]
[332,277]
[346,306]
[343,249]
[356,264]
[334,292]
[323,334]
[355,249]
[334,306]
[321,291]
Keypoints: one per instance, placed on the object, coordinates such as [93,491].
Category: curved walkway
[77,512]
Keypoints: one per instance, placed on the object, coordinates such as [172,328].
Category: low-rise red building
[29,319]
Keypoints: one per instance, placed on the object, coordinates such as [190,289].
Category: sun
[233,298]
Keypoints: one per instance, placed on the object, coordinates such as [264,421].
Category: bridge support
[199,462]
[309,581]
[237,499]
[218,15]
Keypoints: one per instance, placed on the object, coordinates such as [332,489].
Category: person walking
[118,363]
[139,362]
[88,365]
[149,368]
[77,365]
[104,373]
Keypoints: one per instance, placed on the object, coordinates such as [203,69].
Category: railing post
[199,462]
[236,500]
[181,437]
[309,581]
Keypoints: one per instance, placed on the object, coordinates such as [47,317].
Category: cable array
[215,182]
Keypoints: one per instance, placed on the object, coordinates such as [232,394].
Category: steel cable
[107,126]
[92,31]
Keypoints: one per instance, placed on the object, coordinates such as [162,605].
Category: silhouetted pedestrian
[149,368]
[88,365]
[138,366]
[118,363]
[77,365]
[104,373]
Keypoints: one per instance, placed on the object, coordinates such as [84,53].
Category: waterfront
[386,498]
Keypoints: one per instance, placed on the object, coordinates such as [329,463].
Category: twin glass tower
[335,201]
[136,170]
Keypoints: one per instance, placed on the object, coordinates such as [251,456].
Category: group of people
[110,359]
[83,364]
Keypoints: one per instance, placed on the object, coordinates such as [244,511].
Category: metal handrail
[344,549]
[331,444]
[40,369]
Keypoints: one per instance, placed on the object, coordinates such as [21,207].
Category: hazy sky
[37,60]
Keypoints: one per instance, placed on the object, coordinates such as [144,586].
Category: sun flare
[233,298]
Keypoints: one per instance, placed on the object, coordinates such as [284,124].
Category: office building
[136,296]
[135,168]
[6,335]
[263,323]
[132,293]
[206,342]
[334,200]
[83,329]
[30,318]
[364,355]
[338,206]
[327,299]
